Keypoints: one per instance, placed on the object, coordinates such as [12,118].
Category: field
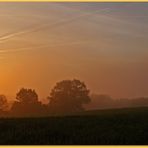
[108,127]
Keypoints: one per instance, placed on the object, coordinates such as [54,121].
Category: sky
[103,44]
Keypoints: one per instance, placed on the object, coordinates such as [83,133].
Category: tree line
[67,97]
[99,101]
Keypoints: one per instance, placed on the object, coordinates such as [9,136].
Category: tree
[27,104]
[27,96]
[69,96]
[3,102]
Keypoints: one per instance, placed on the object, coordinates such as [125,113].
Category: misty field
[108,127]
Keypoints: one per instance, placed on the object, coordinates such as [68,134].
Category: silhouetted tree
[27,96]
[68,96]
[27,104]
[3,102]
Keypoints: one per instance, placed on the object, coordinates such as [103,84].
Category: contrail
[53,25]
[3,51]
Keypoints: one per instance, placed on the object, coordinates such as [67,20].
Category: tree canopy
[27,96]
[69,96]
[27,104]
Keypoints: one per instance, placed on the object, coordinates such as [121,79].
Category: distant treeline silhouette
[68,97]
[106,102]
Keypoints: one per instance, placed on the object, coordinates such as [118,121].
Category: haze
[103,44]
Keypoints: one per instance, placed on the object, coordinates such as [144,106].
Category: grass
[108,127]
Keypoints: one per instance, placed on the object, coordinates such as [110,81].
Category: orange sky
[104,45]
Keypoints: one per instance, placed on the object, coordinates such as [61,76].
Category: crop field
[108,127]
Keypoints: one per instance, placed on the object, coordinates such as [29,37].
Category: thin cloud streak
[53,25]
[5,51]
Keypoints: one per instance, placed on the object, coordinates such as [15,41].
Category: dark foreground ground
[110,127]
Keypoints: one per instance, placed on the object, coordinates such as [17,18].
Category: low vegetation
[108,127]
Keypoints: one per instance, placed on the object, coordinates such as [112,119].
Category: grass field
[108,127]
